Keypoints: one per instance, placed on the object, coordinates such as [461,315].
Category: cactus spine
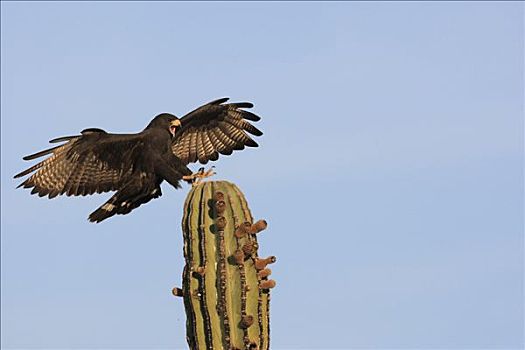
[225,283]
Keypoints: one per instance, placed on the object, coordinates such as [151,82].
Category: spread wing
[214,128]
[92,162]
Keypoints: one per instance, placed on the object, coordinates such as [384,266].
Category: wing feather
[92,162]
[208,145]
[215,144]
[236,141]
[201,152]
[243,125]
[215,128]
[222,143]
[224,136]
[193,146]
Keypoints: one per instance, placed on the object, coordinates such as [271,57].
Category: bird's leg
[195,178]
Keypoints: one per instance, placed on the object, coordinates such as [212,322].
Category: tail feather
[105,211]
[119,204]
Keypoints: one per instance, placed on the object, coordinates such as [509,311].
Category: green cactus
[225,283]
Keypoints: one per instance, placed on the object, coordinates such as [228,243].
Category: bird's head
[167,122]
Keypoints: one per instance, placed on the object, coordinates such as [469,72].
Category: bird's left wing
[214,128]
[92,162]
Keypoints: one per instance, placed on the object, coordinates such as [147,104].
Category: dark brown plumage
[135,165]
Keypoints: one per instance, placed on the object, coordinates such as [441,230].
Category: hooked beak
[173,126]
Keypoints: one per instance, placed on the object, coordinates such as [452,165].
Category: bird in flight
[134,165]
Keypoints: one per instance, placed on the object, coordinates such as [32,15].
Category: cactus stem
[200,270]
[222,269]
[191,312]
[246,320]
[226,304]
[263,311]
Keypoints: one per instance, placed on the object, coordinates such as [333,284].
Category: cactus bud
[219,196]
[176,292]
[267,284]
[264,273]
[220,206]
[199,270]
[261,263]
[249,248]
[242,229]
[258,226]
[220,223]
[238,256]
[246,321]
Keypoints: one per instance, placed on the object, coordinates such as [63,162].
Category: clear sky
[390,171]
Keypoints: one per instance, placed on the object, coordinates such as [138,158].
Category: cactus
[225,283]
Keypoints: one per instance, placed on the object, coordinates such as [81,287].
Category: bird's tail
[119,204]
[106,210]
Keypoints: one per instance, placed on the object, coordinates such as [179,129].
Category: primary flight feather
[134,165]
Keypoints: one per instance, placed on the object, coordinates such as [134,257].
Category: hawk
[134,165]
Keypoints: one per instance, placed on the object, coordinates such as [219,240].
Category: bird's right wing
[94,161]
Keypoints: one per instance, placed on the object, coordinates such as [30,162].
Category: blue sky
[390,171]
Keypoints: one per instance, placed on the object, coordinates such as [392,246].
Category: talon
[188,178]
[195,178]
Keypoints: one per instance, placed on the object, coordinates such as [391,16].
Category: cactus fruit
[225,283]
